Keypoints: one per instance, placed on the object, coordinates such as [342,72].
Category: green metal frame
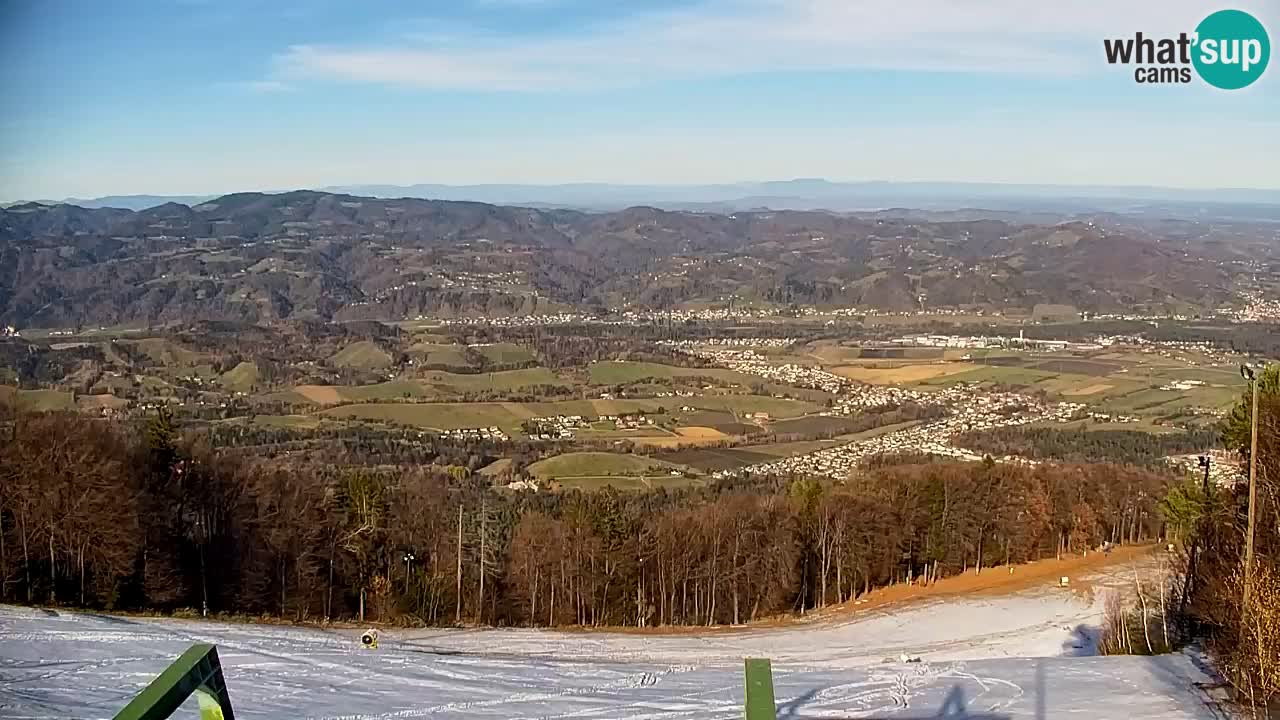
[196,672]
[759,689]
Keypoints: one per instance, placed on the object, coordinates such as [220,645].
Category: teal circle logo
[1231,49]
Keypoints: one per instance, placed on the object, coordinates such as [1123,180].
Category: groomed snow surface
[1029,655]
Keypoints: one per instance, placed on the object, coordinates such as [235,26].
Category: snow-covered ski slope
[1022,656]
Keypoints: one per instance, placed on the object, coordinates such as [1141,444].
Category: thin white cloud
[730,37]
[268,86]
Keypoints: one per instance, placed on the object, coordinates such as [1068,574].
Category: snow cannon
[370,639]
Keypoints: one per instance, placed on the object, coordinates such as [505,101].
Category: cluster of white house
[753,363]
[1257,308]
[556,427]
[1182,385]
[628,421]
[1224,469]
[515,320]
[482,433]
[1113,418]
[857,398]
[565,427]
[747,342]
[978,342]
[981,411]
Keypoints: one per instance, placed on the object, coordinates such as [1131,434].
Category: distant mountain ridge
[325,256]
[800,194]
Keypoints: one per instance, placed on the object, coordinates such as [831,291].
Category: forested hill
[256,257]
[120,516]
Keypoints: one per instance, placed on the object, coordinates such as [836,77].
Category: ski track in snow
[982,659]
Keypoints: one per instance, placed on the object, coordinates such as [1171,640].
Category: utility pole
[1253,492]
[457,616]
[484,531]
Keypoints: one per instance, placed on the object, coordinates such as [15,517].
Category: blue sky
[195,96]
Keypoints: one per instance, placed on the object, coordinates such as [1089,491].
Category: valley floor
[1029,654]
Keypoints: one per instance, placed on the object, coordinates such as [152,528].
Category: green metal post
[759,690]
[197,671]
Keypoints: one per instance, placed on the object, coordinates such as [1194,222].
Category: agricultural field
[1123,383]
[497,467]
[164,352]
[98,403]
[744,404]
[1078,366]
[645,435]
[437,354]
[435,416]
[714,459]
[36,400]
[391,390]
[433,384]
[618,372]
[595,469]
[506,415]
[848,355]
[241,378]
[685,436]
[491,381]
[505,353]
[363,355]
[813,425]
[903,374]
[996,374]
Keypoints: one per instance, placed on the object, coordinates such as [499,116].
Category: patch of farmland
[1088,390]
[902,375]
[713,459]
[100,402]
[241,378]
[436,416]
[695,432]
[743,404]
[36,400]
[1016,376]
[439,355]
[597,464]
[617,372]
[505,353]
[501,380]
[814,425]
[391,390]
[319,394]
[363,355]
[1078,366]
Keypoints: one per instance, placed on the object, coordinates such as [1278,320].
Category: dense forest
[112,515]
[1084,445]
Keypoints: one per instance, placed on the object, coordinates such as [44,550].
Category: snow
[1024,656]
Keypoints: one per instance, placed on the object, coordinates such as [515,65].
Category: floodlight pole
[1253,497]
[408,558]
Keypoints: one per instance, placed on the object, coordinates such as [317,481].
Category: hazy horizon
[711,193]
[197,97]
